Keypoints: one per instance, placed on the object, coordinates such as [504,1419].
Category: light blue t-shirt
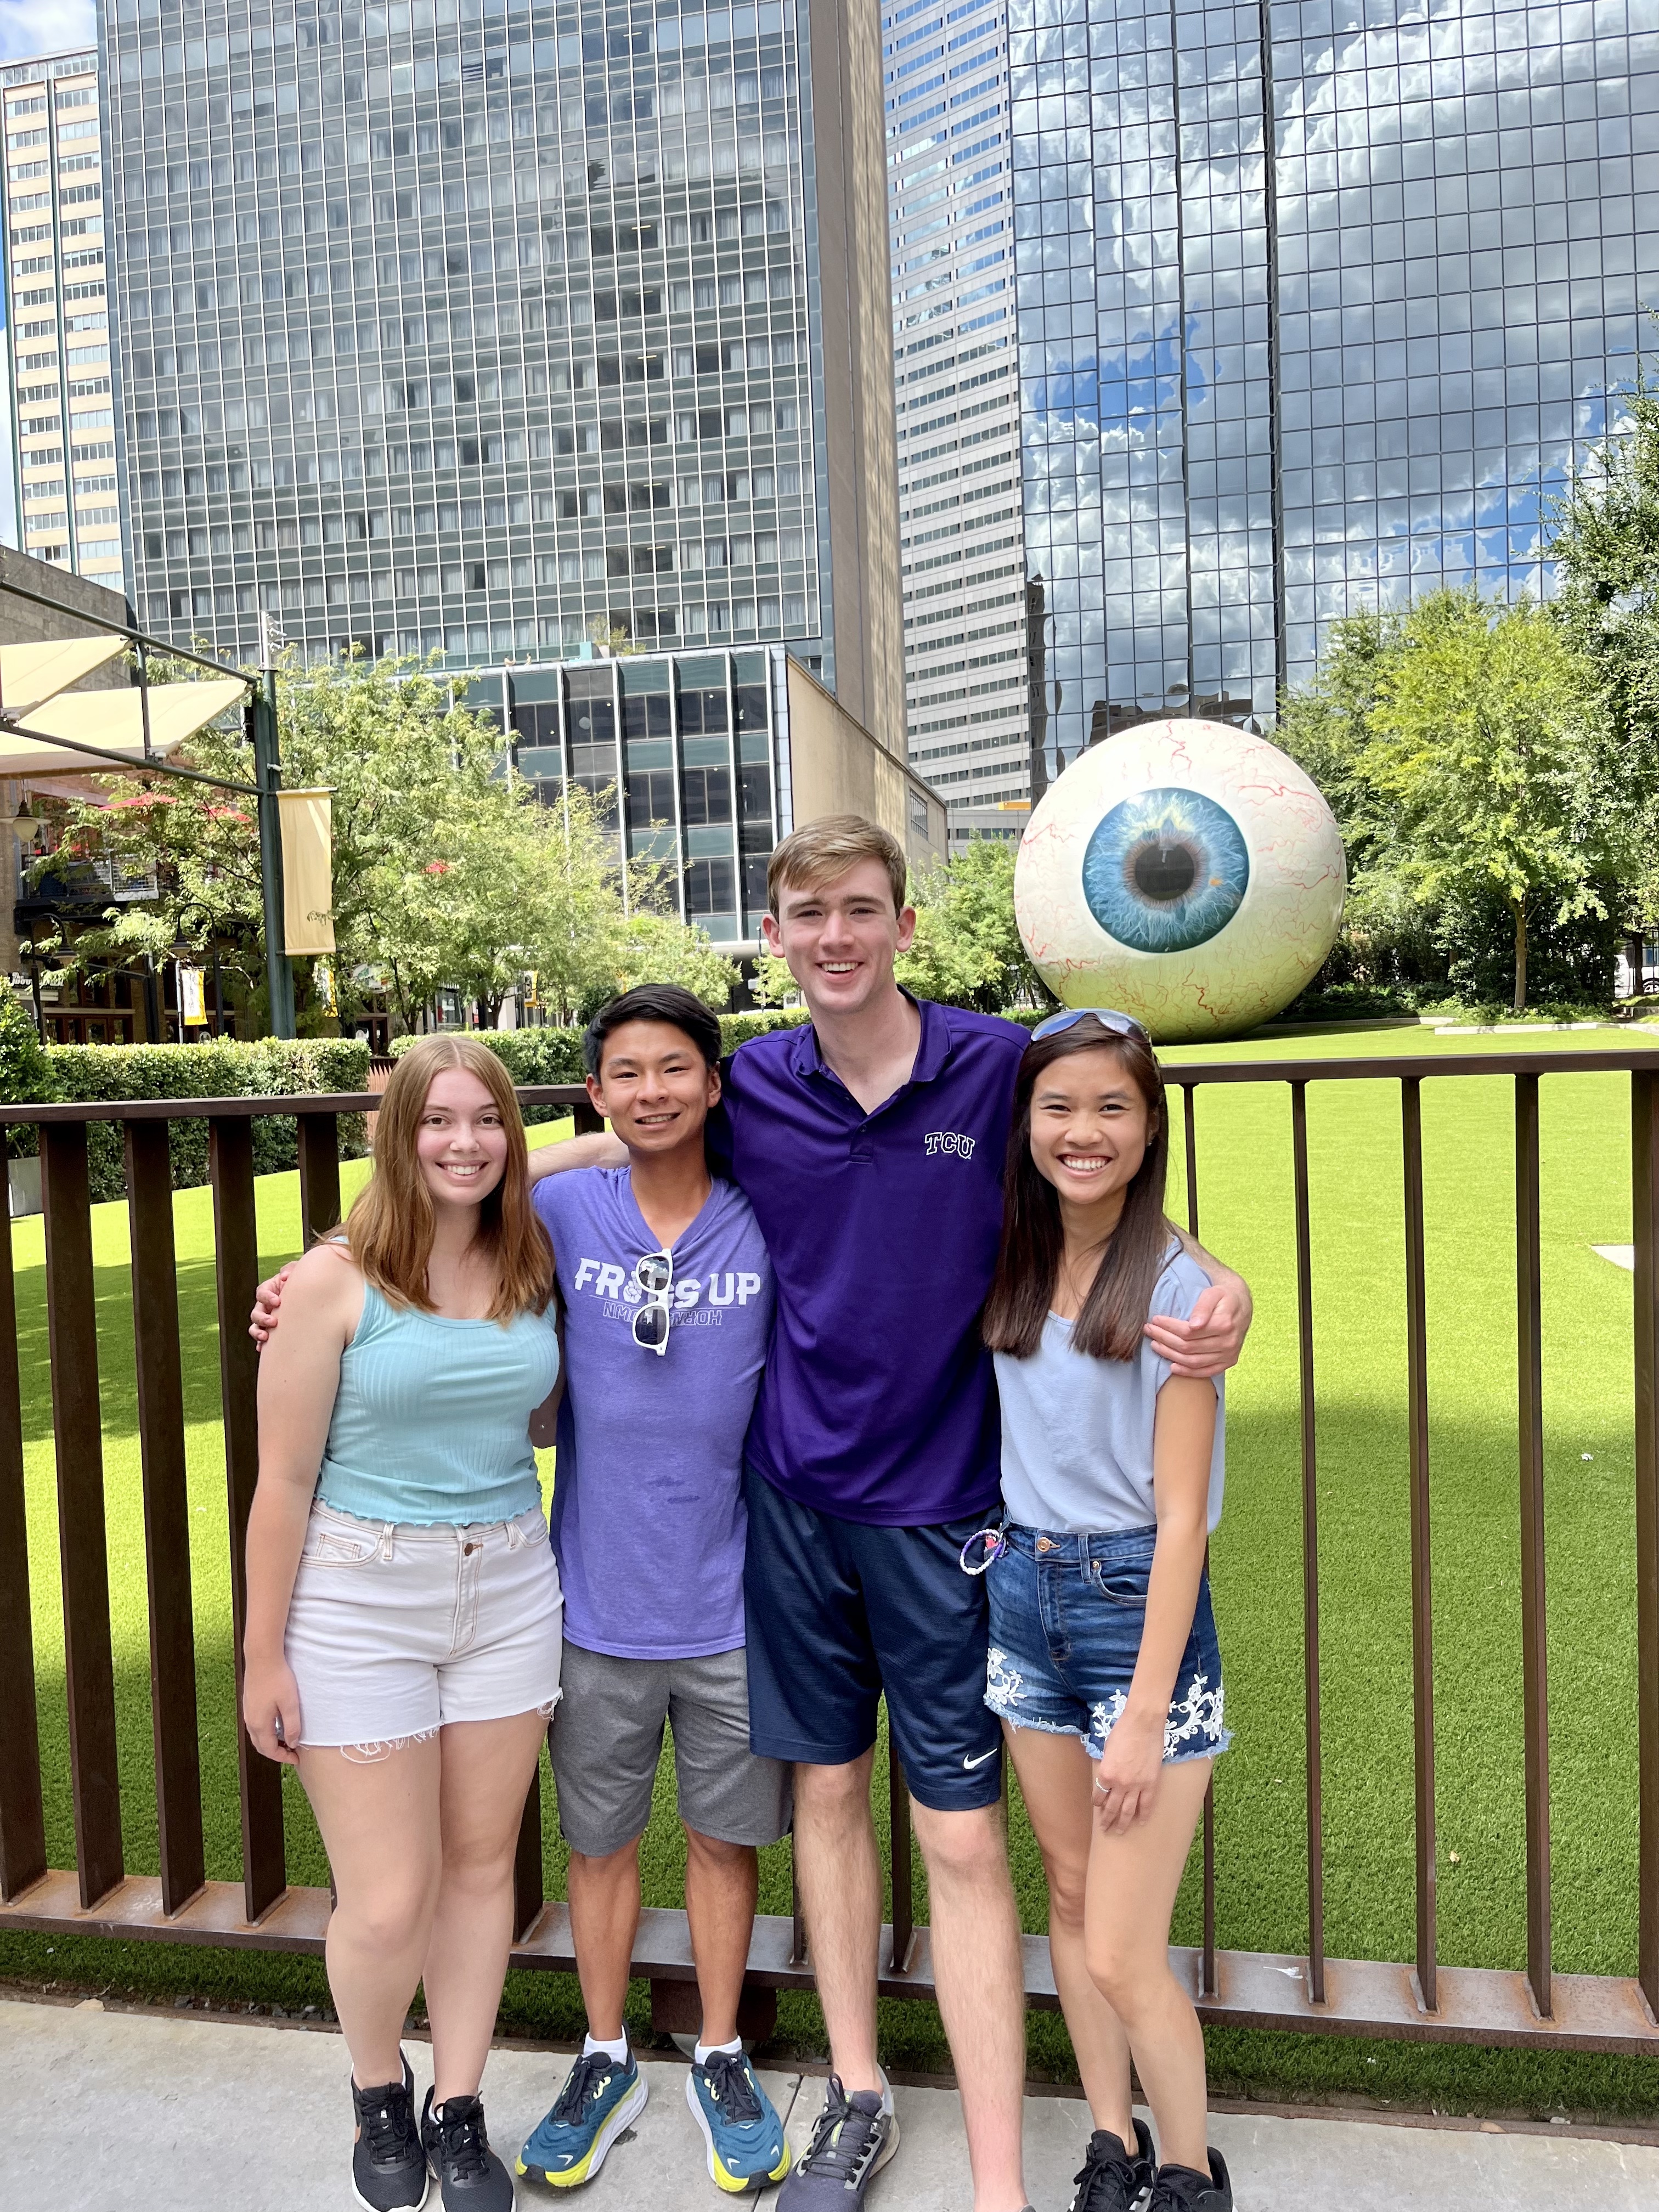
[648,1520]
[431,1422]
[1077,1432]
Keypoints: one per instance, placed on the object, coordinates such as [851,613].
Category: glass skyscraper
[62,442]
[462,328]
[1262,394]
[945,65]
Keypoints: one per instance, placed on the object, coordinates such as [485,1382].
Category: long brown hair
[1114,1314]
[390,1227]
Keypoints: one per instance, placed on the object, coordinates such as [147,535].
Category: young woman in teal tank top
[403,1644]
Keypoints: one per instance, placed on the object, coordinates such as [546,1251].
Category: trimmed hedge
[555,1055]
[227,1068]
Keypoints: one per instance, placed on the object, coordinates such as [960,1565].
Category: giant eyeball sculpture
[1185,872]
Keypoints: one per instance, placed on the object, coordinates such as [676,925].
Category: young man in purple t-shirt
[870,1145]
[666,1291]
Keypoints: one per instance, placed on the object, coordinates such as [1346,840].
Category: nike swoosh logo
[984,1756]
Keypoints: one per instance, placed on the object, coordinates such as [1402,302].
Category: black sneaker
[472,2176]
[388,2167]
[1114,2178]
[854,2139]
[1181,2189]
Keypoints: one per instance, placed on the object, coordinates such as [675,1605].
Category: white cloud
[46,26]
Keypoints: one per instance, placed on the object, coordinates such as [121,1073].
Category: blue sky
[45,26]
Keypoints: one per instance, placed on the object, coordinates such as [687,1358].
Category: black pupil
[1164,872]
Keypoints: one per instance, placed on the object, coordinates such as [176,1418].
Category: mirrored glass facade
[944,70]
[463,328]
[1259,395]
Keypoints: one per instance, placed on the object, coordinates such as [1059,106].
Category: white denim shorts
[394,1631]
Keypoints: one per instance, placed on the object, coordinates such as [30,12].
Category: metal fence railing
[1428,1998]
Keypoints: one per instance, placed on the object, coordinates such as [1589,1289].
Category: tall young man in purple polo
[870,1145]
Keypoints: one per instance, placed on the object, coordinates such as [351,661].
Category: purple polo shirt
[879,1403]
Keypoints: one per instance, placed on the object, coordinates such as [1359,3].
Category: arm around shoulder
[1210,1339]
[600,1150]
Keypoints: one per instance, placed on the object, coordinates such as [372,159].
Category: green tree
[407,768]
[445,870]
[1464,750]
[967,950]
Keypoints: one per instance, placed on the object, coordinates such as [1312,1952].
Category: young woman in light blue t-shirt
[403,1644]
[1104,1661]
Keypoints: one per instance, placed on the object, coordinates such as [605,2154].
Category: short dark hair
[668,1003]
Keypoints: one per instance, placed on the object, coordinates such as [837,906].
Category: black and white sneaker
[388,2166]
[1114,2178]
[472,2176]
[1182,2189]
[854,2139]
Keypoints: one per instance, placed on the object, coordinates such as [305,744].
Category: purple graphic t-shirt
[648,1522]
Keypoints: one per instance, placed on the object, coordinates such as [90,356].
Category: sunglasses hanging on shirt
[654,1274]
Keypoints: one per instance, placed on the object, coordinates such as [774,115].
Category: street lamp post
[268,775]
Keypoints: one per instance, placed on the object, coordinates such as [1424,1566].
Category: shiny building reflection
[1260,396]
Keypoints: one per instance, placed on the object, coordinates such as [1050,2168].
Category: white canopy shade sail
[31,673]
[113,722]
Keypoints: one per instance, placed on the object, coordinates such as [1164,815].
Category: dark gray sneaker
[470,2176]
[1182,2189]
[1114,2178]
[388,2166]
[854,2139]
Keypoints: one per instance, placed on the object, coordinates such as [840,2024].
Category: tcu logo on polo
[948,1140]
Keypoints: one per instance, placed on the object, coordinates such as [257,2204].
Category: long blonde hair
[392,1222]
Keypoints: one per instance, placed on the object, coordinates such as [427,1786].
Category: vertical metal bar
[528,1893]
[797,1918]
[167,1513]
[1310,1551]
[231,1150]
[319,1175]
[1411,1109]
[1534,1657]
[1644,1161]
[1206,1962]
[22,1817]
[72,1328]
[1190,1130]
[898,1825]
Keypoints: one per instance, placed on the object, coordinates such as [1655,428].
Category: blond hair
[823,851]
[390,1227]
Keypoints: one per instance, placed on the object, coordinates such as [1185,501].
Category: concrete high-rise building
[463,329]
[944,63]
[65,485]
[1262,394]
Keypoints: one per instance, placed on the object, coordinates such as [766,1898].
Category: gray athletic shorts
[606,1743]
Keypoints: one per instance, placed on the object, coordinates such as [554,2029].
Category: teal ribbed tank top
[431,1421]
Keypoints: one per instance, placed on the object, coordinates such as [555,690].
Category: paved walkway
[113,2111]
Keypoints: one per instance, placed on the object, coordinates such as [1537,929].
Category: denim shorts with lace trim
[395,1630]
[1067,1616]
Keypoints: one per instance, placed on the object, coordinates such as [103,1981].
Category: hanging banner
[192,996]
[307,820]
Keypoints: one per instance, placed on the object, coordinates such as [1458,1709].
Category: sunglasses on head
[1108,1017]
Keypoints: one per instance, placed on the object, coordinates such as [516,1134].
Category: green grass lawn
[1244,1175]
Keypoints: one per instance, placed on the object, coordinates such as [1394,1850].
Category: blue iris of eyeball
[1165,870]
[1187,872]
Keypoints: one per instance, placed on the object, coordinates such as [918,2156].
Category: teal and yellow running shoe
[599,2099]
[738,2120]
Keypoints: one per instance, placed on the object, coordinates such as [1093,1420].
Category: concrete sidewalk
[119,2112]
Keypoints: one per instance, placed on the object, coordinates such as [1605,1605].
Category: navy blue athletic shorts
[839,1612]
